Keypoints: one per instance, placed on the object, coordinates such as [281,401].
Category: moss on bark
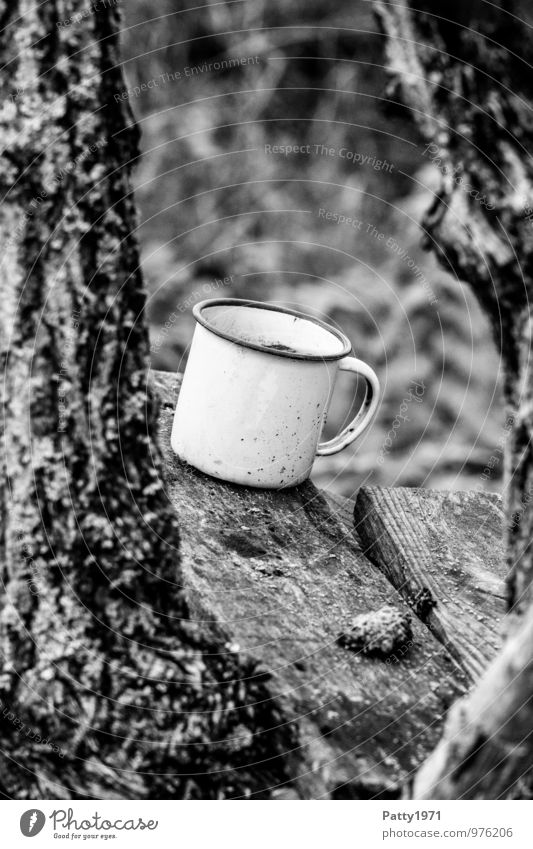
[107,687]
[464,72]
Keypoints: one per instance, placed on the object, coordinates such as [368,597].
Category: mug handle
[365,414]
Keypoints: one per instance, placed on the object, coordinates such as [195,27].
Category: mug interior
[274,330]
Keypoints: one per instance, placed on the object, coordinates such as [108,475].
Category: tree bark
[464,72]
[466,77]
[487,743]
[107,688]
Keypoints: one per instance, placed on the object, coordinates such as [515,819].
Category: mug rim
[256,346]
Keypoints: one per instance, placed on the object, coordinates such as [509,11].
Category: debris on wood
[381,632]
[423,603]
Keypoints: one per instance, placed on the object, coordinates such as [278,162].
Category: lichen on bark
[463,70]
[99,656]
[464,73]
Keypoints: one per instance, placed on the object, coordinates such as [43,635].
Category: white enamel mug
[256,392]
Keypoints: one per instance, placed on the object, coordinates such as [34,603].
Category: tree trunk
[107,689]
[464,71]
[487,744]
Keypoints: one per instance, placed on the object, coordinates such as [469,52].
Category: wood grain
[280,574]
[443,551]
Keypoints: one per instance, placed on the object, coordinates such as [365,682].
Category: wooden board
[446,549]
[279,575]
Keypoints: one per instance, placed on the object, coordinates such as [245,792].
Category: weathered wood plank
[443,549]
[280,574]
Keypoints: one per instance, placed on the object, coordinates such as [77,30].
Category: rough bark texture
[464,71]
[486,749]
[106,687]
[111,682]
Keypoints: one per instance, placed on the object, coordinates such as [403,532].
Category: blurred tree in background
[212,88]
